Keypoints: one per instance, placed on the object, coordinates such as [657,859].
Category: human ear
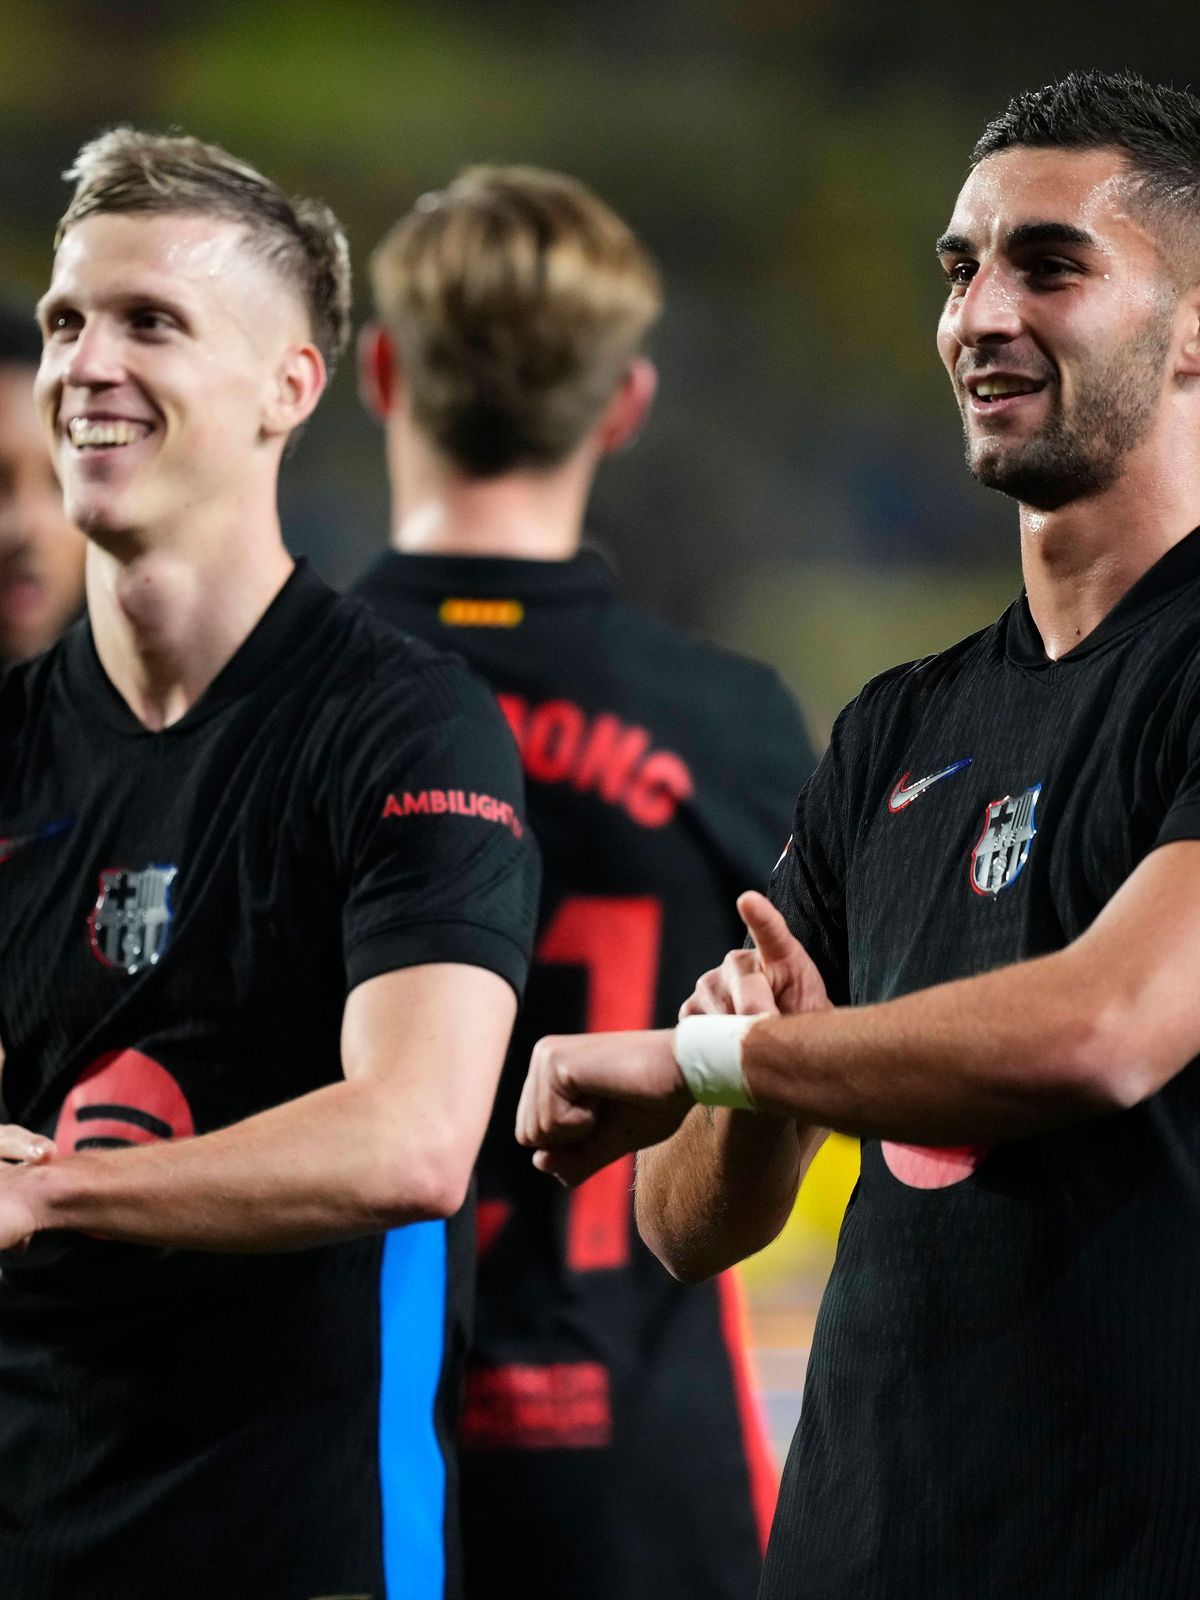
[300,382]
[378,373]
[1187,361]
[623,417]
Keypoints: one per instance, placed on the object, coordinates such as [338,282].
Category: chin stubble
[1082,454]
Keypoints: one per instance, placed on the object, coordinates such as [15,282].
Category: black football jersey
[182,915]
[611,1442]
[1003,1394]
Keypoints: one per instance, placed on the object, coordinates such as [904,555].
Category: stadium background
[799,492]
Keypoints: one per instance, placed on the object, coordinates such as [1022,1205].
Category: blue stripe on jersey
[412,1474]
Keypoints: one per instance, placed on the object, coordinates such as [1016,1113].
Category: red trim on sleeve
[760,1458]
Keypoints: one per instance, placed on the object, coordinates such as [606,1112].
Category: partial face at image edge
[41,551]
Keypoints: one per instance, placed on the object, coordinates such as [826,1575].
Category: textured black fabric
[1003,1393]
[182,915]
[660,774]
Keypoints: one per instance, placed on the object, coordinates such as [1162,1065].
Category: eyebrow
[1019,238]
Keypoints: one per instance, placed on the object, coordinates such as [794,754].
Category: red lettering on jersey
[601,755]
[660,785]
[490,1217]
[551,742]
[455,802]
[612,754]
[563,1406]
[515,712]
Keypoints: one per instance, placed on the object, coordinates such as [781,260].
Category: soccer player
[610,1445]
[986,960]
[267,896]
[41,553]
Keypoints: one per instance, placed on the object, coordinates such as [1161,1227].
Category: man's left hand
[591,1098]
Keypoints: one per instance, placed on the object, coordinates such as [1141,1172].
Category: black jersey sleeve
[435,857]
[808,884]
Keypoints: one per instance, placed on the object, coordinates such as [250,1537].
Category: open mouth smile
[104,433]
[995,393]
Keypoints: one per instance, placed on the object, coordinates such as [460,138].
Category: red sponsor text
[454,803]
[563,1406]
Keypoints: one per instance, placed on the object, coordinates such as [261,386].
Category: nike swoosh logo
[13,847]
[901,796]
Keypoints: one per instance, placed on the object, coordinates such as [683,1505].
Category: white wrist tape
[709,1053]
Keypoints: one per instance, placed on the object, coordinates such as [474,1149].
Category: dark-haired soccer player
[610,1444]
[41,552]
[995,879]
[266,897]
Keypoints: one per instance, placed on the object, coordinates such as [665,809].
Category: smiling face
[1059,322]
[176,361]
[41,553]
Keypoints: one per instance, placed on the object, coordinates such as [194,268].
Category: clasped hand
[591,1098]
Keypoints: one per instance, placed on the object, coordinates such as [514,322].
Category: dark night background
[799,491]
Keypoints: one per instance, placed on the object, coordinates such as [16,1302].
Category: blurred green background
[799,491]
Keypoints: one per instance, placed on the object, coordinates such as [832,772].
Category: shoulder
[948,671]
[694,674]
[386,686]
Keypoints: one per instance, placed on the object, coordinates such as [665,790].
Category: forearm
[721,1188]
[1003,1055]
[341,1161]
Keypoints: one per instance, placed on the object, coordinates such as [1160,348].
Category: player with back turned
[983,949]
[253,1008]
[610,1444]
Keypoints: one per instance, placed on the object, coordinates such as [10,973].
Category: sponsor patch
[123,1098]
[454,803]
[563,1406]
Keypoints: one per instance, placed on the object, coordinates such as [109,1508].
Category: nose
[95,356]
[987,312]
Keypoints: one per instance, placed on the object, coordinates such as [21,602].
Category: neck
[166,621]
[1080,560]
[529,516]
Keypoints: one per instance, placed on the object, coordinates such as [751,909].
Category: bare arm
[394,1142]
[1095,1027]
[725,1184]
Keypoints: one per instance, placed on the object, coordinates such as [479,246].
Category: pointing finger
[773,939]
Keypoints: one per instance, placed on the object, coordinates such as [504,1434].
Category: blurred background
[799,492]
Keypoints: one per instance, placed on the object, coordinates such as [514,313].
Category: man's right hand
[777,975]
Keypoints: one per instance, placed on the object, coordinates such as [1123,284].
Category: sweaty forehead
[185,247]
[204,266]
[1083,189]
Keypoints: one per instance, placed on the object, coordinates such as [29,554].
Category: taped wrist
[709,1053]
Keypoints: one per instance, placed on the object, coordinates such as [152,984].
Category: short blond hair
[126,169]
[517,300]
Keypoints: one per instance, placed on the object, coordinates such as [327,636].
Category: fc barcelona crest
[131,920]
[1003,848]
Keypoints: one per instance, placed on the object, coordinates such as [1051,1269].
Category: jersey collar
[585,576]
[269,647]
[1170,574]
